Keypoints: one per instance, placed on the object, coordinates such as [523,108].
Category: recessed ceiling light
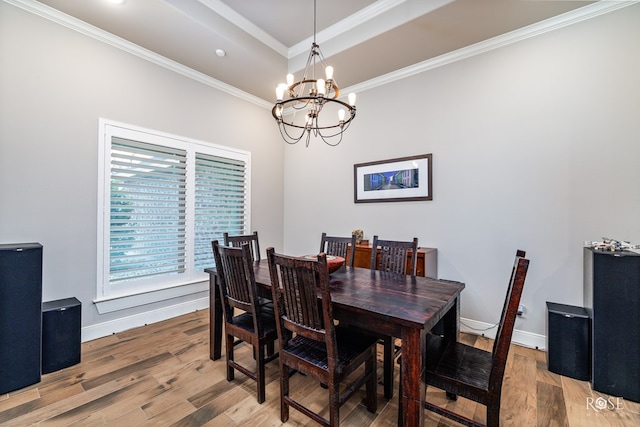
[117,1]
[220,52]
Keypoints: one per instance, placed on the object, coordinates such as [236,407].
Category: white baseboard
[523,338]
[100,330]
[118,325]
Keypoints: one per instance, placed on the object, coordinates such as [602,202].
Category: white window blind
[162,200]
[220,203]
[148,210]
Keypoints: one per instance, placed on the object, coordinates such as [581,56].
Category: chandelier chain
[312,105]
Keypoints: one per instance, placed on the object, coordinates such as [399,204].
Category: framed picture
[393,180]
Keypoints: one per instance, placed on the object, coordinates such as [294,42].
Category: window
[162,200]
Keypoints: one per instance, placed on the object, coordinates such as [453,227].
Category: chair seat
[457,363]
[245,321]
[351,345]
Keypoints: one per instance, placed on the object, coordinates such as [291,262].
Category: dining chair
[239,240]
[392,258]
[470,372]
[339,246]
[393,254]
[311,343]
[256,325]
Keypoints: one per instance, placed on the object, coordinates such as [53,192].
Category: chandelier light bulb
[280,91]
[310,104]
[329,72]
[322,89]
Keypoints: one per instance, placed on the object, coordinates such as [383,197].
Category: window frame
[111,297]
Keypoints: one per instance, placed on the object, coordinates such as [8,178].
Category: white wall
[535,147]
[54,85]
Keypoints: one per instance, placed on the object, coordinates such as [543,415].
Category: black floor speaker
[20,315]
[61,323]
[569,341]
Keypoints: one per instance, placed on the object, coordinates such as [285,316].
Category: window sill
[111,304]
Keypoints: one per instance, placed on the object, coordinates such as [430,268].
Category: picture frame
[394,180]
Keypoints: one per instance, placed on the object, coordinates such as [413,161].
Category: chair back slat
[504,333]
[236,279]
[393,256]
[339,246]
[248,239]
[296,284]
[519,254]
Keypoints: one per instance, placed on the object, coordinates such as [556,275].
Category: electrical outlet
[520,311]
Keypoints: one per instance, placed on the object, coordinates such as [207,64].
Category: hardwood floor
[161,375]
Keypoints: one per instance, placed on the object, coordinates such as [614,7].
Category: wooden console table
[427,260]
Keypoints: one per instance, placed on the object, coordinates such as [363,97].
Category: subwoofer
[61,324]
[20,315]
[569,341]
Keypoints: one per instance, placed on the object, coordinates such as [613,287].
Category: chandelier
[311,105]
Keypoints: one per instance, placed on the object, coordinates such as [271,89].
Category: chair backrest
[507,321]
[339,246]
[295,284]
[393,255]
[239,240]
[236,280]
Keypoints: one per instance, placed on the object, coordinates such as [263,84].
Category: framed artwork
[394,180]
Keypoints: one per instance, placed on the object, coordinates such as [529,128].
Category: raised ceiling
[265,39]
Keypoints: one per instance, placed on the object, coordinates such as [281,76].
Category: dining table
[405,307]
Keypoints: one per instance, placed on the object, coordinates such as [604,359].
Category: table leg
[215,319]
[412,367]
[451,327]
[451,321]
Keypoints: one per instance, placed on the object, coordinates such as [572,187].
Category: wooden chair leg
[334,405]
[388,366]
[284,392]
[371,386]
[260,373]
[400,417]
[229,354]
[493,414]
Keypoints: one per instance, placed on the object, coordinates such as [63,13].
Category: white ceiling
[265,39]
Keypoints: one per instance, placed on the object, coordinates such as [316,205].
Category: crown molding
[370,22]
[244,24]
[573,17]
[582,14]
[96,33]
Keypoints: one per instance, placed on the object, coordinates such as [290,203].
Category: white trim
[111,304]
[366,24]
[244,24]
[573,17]
[113,297]
[578,15]
[82,27]
[104,329]
[527,339]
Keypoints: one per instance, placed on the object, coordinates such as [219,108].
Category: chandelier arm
[287,137]
[333,145]
[309,99]
[321,94]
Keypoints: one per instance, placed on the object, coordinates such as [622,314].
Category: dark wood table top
[416,302]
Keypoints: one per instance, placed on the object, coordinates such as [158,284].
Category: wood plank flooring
[161,375]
